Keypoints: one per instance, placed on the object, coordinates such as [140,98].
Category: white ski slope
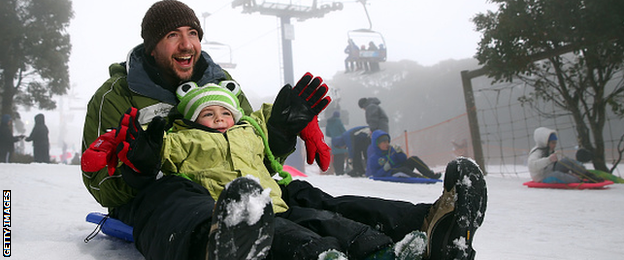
[49,204]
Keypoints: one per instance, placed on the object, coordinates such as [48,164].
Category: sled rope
[97,229]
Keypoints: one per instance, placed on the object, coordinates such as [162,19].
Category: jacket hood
[39,119]
[374,137]
[378,133]
[151,85]
[373,100]
[541,135]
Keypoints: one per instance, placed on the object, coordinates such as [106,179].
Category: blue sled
[406,179]
[112,227]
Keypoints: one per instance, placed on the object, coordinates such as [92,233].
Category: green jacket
[213,159]
[133,84]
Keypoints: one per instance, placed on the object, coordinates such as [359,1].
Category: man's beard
[171,74]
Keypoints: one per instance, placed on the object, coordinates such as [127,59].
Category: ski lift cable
[256,39]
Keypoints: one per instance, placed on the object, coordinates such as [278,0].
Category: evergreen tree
[568,51]
[34,52]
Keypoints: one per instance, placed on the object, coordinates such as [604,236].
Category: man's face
[177,53]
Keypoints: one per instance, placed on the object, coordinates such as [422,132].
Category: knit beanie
[383,138]
[194,98]
[336,114]
[362,102]
[552,137]
[164,17]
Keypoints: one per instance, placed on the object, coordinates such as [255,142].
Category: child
[215,143]
[546,167]
[385,160]
[212,146]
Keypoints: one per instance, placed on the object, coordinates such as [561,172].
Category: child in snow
[545,165]
[385,160]
[215,143]
[212,146]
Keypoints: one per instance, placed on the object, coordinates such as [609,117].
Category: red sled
[569,186]
[293,171]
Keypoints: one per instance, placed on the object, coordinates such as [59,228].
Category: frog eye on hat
[185,88]
[231,85]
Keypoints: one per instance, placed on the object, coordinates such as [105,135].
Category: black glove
[139,149]
[295,107]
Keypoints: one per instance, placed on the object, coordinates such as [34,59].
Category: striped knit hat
[164,17]
[194,98]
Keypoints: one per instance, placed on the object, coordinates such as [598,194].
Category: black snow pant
[393,218]
[171,219]
[413,162]
[304,233]
[339,163]
[360,144]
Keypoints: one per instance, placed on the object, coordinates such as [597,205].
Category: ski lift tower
[285,10]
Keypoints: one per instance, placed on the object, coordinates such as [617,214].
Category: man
[376,117]
[171,215]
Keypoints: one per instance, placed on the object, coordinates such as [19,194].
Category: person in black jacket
[7,140]
[39,137]
[376,117]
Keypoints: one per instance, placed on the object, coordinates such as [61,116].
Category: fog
[103,32]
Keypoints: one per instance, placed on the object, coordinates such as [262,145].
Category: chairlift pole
[285,12]
[287,56]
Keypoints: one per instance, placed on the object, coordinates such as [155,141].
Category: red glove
[316,148]
[101,152]
[140,149]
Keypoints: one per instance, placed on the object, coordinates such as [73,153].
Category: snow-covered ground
[49,204]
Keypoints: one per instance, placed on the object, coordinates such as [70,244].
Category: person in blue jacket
[385,160]
[356,140]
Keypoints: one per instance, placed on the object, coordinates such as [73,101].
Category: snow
[49,204]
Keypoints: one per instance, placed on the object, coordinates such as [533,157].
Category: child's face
[552,144]
[384,145]
[216,117]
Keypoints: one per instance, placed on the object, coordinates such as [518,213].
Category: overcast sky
[103,32]
[425,31]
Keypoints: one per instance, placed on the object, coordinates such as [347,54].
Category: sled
[111,226]
[293,171]
[406,179]
[570,186]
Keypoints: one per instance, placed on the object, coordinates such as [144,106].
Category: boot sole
[237,234]
[468,214]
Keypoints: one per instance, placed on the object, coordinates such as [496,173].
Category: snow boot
[454,218]
[411,247]
[332,255]
[242,222]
